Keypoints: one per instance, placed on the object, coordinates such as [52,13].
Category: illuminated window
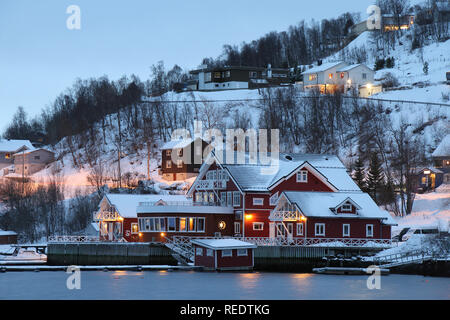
[192,224]
[330,76]
[342,75]
[182,225]
[217,75]
[134,228]
[312,77]
[199,251]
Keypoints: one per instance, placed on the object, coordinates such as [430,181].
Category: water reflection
[248,281]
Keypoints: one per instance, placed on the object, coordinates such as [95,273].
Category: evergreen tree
[375,176]
[425,68]
[359,175]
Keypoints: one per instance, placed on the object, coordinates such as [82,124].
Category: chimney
[269,71]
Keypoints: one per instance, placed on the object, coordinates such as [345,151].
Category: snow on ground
[430,209]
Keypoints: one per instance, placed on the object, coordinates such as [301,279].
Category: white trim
[315,229]
[302,229]
[258,224]
[236,203]
[240,254]
[367,231]
[258,201]
[204,224]
[197,250]
[237,224]
[273,200]
[227,255]
[343,230]
[302,176]
[134,224]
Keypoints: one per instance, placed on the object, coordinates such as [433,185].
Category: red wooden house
[117,215]
[223,254]
[254,191]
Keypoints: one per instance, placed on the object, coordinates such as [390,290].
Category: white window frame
[261,224]
[209,252]
[227,253]
[199,252]
[186,224]
[242,252]
[223,199]
[174,219]
[318,225]
[302,176]
[237,228]
[198,196]
[258,201]
[229,198]
[344,235]
[274,199]
[189,223]
[169,164]
[349,207]
[236,199]
[204,224]
[369,227]
[300,229]
[179,164]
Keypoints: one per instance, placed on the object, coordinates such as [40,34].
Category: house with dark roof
[441,158]
[237,77]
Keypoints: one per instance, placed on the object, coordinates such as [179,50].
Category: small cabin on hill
[223,254]
[8,237]
[182,159]
[428,179]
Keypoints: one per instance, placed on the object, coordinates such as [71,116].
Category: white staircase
[182,251]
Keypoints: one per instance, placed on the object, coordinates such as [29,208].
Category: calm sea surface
[180,285]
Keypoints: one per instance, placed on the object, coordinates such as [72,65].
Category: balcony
[212,185]
[184,207]
[291,216]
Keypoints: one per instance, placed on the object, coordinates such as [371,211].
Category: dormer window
[302,176]
[347,207]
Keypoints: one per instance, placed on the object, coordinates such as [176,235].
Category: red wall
[234,261]
[313,184]
[204,260]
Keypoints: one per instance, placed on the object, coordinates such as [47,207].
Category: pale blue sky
[40,57]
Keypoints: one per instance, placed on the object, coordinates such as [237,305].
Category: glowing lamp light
[248,217]
[162,234]
[120,219]
[369,86]
[427,172]
[140,234]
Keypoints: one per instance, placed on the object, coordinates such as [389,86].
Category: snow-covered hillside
[408,69]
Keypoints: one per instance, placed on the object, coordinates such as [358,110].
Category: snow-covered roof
[351,67]
[32,151]
[7,233]
[318,204]
[443,149]
[260,177]
[323,67]
[223,244]
[15,145]
[176,144]
[126,204]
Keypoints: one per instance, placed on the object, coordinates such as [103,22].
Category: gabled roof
[324,67]
[126,204]
[318,204]
[261,177]
[443,149]
[32,151]
[178,144]
[15,145]
[351,67]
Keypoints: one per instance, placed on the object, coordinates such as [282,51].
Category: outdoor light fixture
[248,217]
[427,172]
[222,225]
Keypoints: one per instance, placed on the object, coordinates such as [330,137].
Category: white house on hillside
[341,76]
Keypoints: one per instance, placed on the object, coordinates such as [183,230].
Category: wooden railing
[300,242]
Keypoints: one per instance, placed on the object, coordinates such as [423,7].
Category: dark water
[178,285]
